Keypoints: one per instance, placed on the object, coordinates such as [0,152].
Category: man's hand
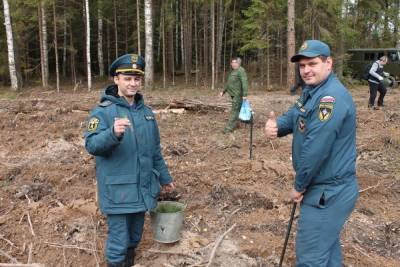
[296,196]
[120,125]
[221,94]
[168,187]
[271,127]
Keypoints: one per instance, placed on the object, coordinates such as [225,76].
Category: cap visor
[131,72]
[298,56]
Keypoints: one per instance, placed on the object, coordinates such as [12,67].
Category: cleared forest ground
[48,211]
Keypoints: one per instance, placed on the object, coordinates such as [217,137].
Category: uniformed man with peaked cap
[122,134]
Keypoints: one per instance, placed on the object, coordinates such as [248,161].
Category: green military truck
[361,57]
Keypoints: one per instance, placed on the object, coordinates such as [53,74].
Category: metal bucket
[167,220]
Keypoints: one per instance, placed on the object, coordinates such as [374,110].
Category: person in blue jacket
[323,124]
[123,136]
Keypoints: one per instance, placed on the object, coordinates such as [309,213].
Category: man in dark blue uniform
[123,135]
[323,124]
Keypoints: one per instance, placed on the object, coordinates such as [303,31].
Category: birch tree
[148,26]
[10,45]
[56,47]
[89,70]
[44,62]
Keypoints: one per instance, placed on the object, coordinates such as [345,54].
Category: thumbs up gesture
[271,126]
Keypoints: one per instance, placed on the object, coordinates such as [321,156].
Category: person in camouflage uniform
[237,88]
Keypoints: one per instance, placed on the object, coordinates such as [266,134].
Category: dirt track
[47,178]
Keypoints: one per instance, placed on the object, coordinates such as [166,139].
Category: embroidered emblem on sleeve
[302,125]
[93,124]
[326,106]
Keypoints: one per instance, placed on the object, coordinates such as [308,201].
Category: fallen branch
[171,253]
[195,105]
[95,242]
[231,215]
[272,145]
[12,259]
[360,250]
[217,243]
[30,223]
[8,241]
[69,246]
[20,265]
[30,253]
[369,187]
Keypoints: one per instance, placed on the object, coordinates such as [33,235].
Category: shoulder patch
[105,103]
[149,117]
[93,124]
[325,111]
[326,105]
[327,99]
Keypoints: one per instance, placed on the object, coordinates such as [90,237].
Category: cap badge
[303,46]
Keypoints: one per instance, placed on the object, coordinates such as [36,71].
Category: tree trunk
[224,56]
[397,36]
[108,44]
[176,35]
[196,60]
[205,43]
[10,47]
[100,57]
[148,23]
[220,34]
[340,58]
[212,45]
[163,45]
[138,26]
[185,39]
[72,55]
[159,43]
[64,60]
[291,44]
[233,29]
[268,60]
[170,47]
[43,51]
[126,28]
[89,70]
[183,58]
[56,47]
[280,57]
[115,28]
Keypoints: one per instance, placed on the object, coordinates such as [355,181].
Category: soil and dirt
[48,210]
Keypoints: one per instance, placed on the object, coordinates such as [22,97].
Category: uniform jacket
[237,84]
[129,169]
[323,123]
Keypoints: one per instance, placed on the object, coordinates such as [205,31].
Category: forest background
[72,42]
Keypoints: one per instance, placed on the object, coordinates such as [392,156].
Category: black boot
[115,264]
[130,257]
